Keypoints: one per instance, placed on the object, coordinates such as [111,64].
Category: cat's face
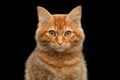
[59,32]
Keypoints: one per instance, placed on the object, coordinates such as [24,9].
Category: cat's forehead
[59,19]
[60,22]
[63,28]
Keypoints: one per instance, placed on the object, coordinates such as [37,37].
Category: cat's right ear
[43,15]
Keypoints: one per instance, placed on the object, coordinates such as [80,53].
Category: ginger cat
[58,54]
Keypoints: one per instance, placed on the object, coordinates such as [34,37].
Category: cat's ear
[43,15]
[75,15]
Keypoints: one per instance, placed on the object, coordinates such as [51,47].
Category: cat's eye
[67,33]
[52,32]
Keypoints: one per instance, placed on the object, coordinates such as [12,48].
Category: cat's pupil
[67,33]
[52,32]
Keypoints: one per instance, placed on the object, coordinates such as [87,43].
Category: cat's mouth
[60,48]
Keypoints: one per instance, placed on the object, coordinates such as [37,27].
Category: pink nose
[60,42]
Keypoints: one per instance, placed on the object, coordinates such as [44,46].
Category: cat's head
[59,32]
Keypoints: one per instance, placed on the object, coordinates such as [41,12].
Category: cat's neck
[59,60]
[50,52]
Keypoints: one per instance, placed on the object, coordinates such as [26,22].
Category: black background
[21,22]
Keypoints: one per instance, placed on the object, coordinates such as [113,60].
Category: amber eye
[67,33]
[52,32]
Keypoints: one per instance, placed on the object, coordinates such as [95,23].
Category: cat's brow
[68,29]
[52,28]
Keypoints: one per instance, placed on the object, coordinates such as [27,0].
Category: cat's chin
[60,49]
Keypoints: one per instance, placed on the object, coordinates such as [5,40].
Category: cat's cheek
[53,45]
[47,38]
[67,45]
[72,38]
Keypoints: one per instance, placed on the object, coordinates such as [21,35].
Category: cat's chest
[61,70]
[65,73]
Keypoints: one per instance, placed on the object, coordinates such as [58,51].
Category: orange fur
[58,53]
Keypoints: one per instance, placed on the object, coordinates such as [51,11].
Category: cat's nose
[60,42]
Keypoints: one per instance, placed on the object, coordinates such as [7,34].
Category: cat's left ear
[75,15]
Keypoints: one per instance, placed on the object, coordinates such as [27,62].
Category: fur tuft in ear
[43,15]
[75,15]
